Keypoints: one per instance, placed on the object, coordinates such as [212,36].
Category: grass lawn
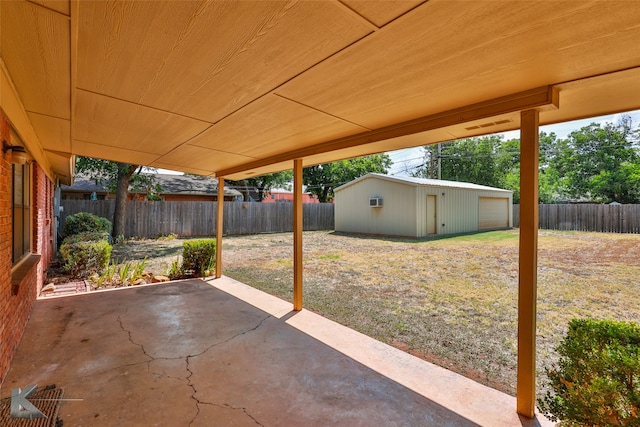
[452,301]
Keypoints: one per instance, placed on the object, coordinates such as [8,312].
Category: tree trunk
[125,171]
[244,189]
[325,195]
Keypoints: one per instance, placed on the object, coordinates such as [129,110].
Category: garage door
[494,213]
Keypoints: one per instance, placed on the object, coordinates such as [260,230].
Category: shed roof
[423,182]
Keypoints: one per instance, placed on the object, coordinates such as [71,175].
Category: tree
[117,177]
[599,162]
[468,160]
[263,184]
[321,180]
[508,165]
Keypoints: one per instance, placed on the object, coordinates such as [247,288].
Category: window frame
[21,210]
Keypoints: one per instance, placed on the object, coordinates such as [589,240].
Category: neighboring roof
[171,184]
[134,81]
[191,184]
[84,184]
[423,182]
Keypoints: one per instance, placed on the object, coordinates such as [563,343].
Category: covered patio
[219,352]
[236,89]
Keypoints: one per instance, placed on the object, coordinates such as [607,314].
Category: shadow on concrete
[186,353]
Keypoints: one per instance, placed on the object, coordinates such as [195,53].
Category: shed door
[431,214]
[494,213]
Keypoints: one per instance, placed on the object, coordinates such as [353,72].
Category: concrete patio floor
[220,353]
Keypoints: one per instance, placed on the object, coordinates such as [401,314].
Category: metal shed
[416,207]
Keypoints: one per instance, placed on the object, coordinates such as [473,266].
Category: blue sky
[408,158]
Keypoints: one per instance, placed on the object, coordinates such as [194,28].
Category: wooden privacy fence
[189,219]
[587,217]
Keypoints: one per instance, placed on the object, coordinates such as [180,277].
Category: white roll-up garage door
[494,213]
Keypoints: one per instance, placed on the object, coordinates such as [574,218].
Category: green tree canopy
[118,177]
[321,180]
[263,184]
[599,162]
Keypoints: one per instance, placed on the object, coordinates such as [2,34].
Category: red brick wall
[15,309]
[43,231]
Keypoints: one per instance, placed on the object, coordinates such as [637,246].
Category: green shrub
[87,236]
[198,257]
[81,259]
[83,222]
[597,379]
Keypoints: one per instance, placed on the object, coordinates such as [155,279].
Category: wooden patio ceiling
[235,88]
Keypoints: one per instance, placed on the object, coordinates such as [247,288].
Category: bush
[198,257]
[83,258]
[597,379]
[87,236]
[83,222]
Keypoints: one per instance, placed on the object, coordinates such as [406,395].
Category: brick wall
[15,309]
[43,229]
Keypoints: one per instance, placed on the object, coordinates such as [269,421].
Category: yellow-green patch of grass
[279,263]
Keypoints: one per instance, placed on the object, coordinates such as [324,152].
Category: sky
[407,159]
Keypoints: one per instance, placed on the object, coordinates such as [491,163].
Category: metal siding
[405,208]
[421,210]
[396,217]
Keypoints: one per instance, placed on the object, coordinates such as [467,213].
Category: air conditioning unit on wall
[375,202]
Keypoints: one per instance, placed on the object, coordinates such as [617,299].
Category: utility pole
[432,163]
[439,161]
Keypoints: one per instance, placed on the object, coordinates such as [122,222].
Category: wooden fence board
[586,217]
[150,219]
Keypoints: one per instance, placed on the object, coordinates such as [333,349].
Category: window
[21,206]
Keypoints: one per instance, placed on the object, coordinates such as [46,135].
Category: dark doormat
[46,399]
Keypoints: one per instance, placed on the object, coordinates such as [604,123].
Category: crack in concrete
[132,341]
[193,395]
[151,358]
[231,338]
[193,387]
[226,405]
[188,368]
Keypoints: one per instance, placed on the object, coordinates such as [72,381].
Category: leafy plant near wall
[84,222]
[85,250]
[175,270]
[83,258]
[597,379]
[88,236]
[124,274]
